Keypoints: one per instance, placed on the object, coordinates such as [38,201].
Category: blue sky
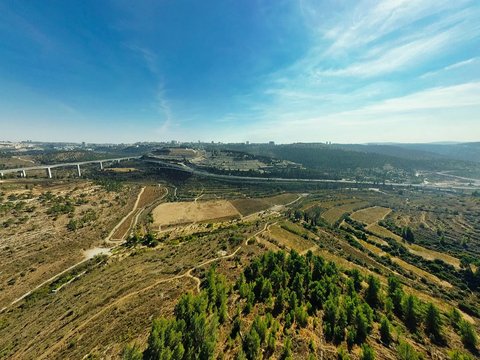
[258,70]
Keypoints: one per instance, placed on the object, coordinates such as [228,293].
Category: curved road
[186,168]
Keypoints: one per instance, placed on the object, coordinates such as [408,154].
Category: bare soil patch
[176,213]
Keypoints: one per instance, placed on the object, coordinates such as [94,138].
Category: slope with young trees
[290,306]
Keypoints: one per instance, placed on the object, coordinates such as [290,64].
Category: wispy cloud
[430,113]
[369,21]
[165,109]
[395,58]
[161,102]
[148,57]
[366,59]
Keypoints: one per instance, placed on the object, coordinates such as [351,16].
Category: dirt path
[199,195]
[107,239]
[88,256]
[299,197]
[188,273]
[22,159]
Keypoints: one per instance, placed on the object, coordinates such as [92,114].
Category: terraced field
[370,215]
[250,206]
[289,239]
[335,213]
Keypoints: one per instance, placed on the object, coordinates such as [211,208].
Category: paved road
[186,168]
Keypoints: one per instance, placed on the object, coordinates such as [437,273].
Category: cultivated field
[177,213]
[382,232]
[370,215]
[250,206]
[289,239]
[333,214]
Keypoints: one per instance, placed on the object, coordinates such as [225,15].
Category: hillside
[145,262]
[289,306]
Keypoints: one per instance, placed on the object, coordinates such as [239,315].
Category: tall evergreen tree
[411,312]
[433,323]
[468,335]
[372,295]
[385,333]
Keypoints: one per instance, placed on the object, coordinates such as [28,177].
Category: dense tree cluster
[192,332]
[281,293]
[148,239]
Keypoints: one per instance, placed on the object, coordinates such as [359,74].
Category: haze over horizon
[289,71]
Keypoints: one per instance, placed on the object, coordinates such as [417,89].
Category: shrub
[468,335]
[433,323]
[407,352]
[367,353]
[385,333]
[458,355]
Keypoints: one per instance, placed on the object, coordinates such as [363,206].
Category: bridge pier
[23,174]
[1,174]
[79,171]
[49,172]
[101,165]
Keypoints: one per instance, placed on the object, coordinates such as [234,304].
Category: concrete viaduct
[48,168]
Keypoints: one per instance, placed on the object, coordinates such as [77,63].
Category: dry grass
[16,161]
[250,206]
[176,213]
[333,214]
[42,246]
[421,273]
[150,194]
[370,215]
[374,249]
[113,304]
[432,255]
[377,240]
[289,239]
[121,170]
[382,232]
[414,249]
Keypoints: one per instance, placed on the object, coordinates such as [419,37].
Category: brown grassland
[95,310]
[169,214]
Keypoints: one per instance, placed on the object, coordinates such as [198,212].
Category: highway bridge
[48,168]
[193,170]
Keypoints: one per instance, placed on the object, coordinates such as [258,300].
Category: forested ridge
[289,306]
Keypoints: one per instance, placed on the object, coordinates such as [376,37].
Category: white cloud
[395,59]
[443,113]
[372,20]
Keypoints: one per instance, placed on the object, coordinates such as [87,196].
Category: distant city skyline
[255,70]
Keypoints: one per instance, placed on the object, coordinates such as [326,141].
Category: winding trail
[188,273]
[88,256]
[135,206]
[45,283]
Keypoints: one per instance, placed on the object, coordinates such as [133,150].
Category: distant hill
[395,150]
[464,151]
[339,157]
